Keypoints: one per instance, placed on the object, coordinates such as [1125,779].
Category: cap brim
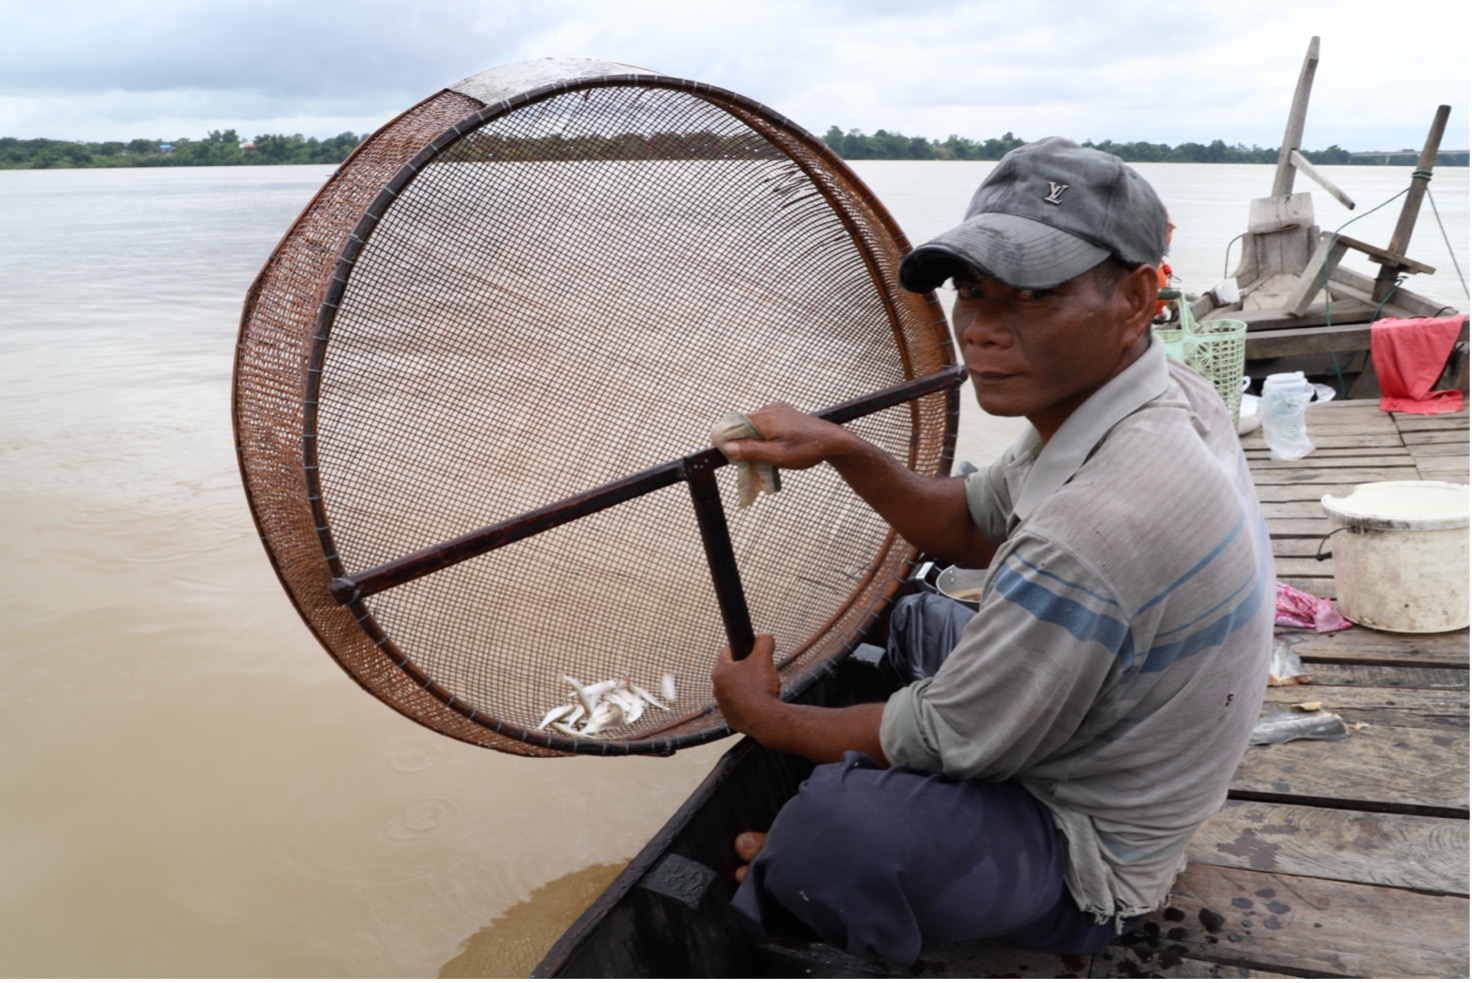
[1015,250]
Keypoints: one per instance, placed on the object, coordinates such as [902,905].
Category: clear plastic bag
[1285,668]
[1281,726]
[1285,398]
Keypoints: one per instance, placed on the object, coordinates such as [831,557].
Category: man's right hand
[929,512]
[791,439]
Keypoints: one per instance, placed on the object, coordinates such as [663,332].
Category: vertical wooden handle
[700,477]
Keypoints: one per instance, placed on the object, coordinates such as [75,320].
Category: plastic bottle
[1285,397]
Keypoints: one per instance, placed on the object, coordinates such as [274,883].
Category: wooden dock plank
[1388,677]
[1339,457]
[1379,706]
[1317,586]
[1422,853]
[1417,438]
[1315,484]
[1455,471]
[1293,510]
[1361,845]
[1306,926]
[1293,567]
[1345,425]
[1314,526]
[1119,963]
[1437,449]
[1256,447]
[1297,546]
[1416,769]
[1365,645]
[1415,422]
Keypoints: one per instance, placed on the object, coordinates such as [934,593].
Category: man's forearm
[929,512]
[820,734]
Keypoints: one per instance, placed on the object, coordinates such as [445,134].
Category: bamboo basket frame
[292,330]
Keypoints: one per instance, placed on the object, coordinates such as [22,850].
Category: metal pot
[958,583]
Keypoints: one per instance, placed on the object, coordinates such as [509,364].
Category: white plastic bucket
[1400,555]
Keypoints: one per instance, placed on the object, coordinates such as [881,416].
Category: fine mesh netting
[497,306]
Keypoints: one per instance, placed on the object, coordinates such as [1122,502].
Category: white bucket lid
[1428,505]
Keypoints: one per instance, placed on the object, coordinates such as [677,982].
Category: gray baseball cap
[1047,212]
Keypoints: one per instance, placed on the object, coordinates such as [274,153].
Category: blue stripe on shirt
[1211,554]
[1214,634]
[1025,583]
[1246,597]
[1046,605]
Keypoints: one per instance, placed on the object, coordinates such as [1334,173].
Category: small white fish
[607,713]
[558,713]
[597,691]
[646,696]
[581,693]
[604,704]
[632,706]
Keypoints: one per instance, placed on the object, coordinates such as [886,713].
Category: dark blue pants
[875,860]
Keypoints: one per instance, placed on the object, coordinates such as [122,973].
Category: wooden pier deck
[1330,859]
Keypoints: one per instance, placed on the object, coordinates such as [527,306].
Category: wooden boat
[1329,859]
[1304,310]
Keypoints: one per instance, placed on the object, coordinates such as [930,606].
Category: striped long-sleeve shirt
[1118,662]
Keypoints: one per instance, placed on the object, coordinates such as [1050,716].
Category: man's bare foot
[748,845]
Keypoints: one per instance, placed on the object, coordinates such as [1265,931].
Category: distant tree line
[226,147]
[220,147]
[883,145]
[664,145]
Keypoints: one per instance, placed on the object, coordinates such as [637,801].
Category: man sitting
[1038,780]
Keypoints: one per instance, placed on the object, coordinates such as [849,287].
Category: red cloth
[1409,355]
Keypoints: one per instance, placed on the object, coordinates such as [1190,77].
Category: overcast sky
[1124,70]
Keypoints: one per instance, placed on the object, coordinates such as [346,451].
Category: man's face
[1041,353]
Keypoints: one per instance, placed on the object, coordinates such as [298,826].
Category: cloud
[1122,69]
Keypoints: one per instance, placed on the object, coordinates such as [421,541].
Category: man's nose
[982,324]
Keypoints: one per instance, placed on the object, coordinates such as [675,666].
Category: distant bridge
[1413,154]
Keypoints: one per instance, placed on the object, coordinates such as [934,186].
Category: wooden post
[1293,133]
[1303,164]
[1401,238]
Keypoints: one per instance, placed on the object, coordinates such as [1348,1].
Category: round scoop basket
[475,383]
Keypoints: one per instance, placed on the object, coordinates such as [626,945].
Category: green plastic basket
[1216,348]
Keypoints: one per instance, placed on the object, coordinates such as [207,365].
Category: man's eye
[967,289]
[1032,294]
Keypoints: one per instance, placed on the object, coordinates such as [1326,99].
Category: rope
[1444,238]
[1227,255]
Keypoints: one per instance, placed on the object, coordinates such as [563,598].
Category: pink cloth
[1409,355]
[1300,609]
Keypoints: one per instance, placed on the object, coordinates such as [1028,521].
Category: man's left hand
[744,688]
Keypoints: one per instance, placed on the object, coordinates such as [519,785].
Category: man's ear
[1137,296]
